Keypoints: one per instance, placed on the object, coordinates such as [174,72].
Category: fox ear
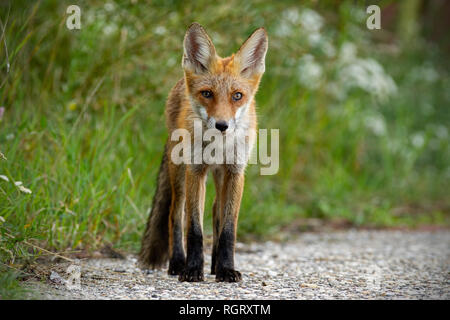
[251,56]
[199,50]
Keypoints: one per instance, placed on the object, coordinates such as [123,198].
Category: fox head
[221,90]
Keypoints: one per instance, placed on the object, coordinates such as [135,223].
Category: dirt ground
[347,264]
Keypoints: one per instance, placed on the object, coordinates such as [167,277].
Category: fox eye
[237,96]
[207,94]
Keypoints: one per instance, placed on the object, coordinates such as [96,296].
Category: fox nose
[221,125]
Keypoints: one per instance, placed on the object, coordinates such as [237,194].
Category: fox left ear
[252,54]
[199,51]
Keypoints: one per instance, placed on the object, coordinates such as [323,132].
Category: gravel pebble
[349,264]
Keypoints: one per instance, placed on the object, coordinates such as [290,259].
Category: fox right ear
[252,54]
[199,50]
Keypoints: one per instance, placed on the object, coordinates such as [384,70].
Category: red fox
[219,92]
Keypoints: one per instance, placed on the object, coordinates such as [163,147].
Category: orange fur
[204,70]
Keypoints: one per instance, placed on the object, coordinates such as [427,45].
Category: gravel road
[335,265]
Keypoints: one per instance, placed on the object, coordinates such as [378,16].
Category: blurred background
[363,117]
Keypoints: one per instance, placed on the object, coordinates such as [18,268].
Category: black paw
[191,275]
[176,266]
[228,275]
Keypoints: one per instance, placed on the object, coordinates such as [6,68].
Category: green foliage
[363,122]
[9,286]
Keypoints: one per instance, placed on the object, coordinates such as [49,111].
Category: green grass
[84,130]
[10,288]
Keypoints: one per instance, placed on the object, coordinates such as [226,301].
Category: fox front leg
[231,195]
[195,196]
[218,181]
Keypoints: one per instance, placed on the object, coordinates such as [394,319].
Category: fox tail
[155,242]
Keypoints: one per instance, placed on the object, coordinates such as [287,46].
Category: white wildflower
[109,6]
[376,124]
[366,74]
[171,61]
[310,20]
[4,177]
[284,29]
[25,190]
[19,185]
[328,48]
[358,13]
[424,73]
[292,15]
[441,132]
[418,140]
[110,29]
[160,30]
[314,38]
[347,52]
[90,17]
[394,146]
[309,72]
